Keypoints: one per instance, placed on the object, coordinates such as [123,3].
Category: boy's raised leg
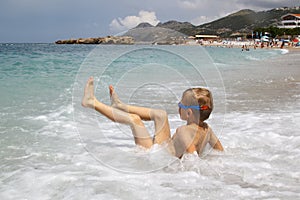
[139,131]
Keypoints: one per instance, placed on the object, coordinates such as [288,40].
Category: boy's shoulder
[186,128]
[182,128]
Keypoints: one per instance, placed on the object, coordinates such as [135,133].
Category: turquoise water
[52,148]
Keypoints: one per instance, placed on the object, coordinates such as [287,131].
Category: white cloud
[194,5]
[132,21]
[188,4]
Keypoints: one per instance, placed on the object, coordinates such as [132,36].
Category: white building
[206,37]
[290,21]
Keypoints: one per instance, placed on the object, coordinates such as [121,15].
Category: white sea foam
[284,51]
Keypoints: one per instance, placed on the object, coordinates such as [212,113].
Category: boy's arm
[215,142]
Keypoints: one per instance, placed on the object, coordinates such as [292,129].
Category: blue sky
[50,20]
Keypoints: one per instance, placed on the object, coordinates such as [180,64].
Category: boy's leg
[160,117]
[139,131]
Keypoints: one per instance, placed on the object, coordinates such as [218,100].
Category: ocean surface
[52,148]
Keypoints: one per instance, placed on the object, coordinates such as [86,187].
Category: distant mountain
[243,21]
[144,25]
[155,35]
[178,26]
[173,32]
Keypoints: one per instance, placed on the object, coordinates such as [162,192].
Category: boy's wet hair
[201,97]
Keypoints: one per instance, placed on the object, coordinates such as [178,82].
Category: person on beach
[195,107]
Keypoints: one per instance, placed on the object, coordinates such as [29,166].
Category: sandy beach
[242,45]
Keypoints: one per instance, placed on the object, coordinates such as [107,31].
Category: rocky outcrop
[99,40]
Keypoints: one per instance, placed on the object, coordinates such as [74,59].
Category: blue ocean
[53,148]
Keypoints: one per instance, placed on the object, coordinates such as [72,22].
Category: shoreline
[239,45]
[293,49]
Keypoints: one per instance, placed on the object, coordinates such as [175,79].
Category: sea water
[52,148]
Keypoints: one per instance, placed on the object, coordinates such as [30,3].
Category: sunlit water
[52,148]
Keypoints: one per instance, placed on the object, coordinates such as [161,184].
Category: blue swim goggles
[180,105]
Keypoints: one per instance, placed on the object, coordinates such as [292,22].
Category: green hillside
[244,21]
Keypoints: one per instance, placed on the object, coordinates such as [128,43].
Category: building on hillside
[287,8]
[290,21]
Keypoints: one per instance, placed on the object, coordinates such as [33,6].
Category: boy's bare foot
[115,101]
[89,97]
